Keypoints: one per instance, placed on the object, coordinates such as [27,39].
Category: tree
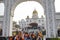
[17,26]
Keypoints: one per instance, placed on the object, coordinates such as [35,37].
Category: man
[26,36]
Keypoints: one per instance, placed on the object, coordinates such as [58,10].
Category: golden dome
[35,12]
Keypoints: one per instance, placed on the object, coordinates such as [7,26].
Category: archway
[23,9]
[24,6]
[49,10]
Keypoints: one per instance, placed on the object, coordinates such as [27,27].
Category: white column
[7,29]
[50,18]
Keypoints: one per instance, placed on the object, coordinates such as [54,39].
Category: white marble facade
[57,21]
[49,10]
[57,17]
[35,19]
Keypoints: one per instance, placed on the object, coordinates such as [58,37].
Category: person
[40,36]
[13,37]
[10,38]
[26,36]
[33,37]
[19,36]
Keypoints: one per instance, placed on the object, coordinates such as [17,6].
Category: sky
[25,9]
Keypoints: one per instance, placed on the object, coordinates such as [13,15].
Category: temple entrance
[49,11]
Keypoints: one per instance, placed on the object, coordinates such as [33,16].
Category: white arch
[49,10]
[21,1]
[28,3]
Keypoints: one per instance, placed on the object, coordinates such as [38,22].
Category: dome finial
[35,12]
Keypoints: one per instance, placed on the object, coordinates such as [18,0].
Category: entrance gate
[49,11]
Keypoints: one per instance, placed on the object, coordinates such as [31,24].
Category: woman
[40,36]
[33,37]
[19,36]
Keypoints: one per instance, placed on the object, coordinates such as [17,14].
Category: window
[25,24]
[39,20]
[42,27]
[42,20]
[43,24]
[27,20]
[30,20]
[22,24]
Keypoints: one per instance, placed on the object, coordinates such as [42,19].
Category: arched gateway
[49,10]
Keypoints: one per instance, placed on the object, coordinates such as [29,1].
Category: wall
[57,19]
[1,23]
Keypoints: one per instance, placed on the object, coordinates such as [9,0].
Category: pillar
[7,29]
[50,19]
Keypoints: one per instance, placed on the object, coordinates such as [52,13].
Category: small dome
[27,17]
[22,20]
[42,16]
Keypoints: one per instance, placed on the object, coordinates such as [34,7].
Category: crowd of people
[27,36]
